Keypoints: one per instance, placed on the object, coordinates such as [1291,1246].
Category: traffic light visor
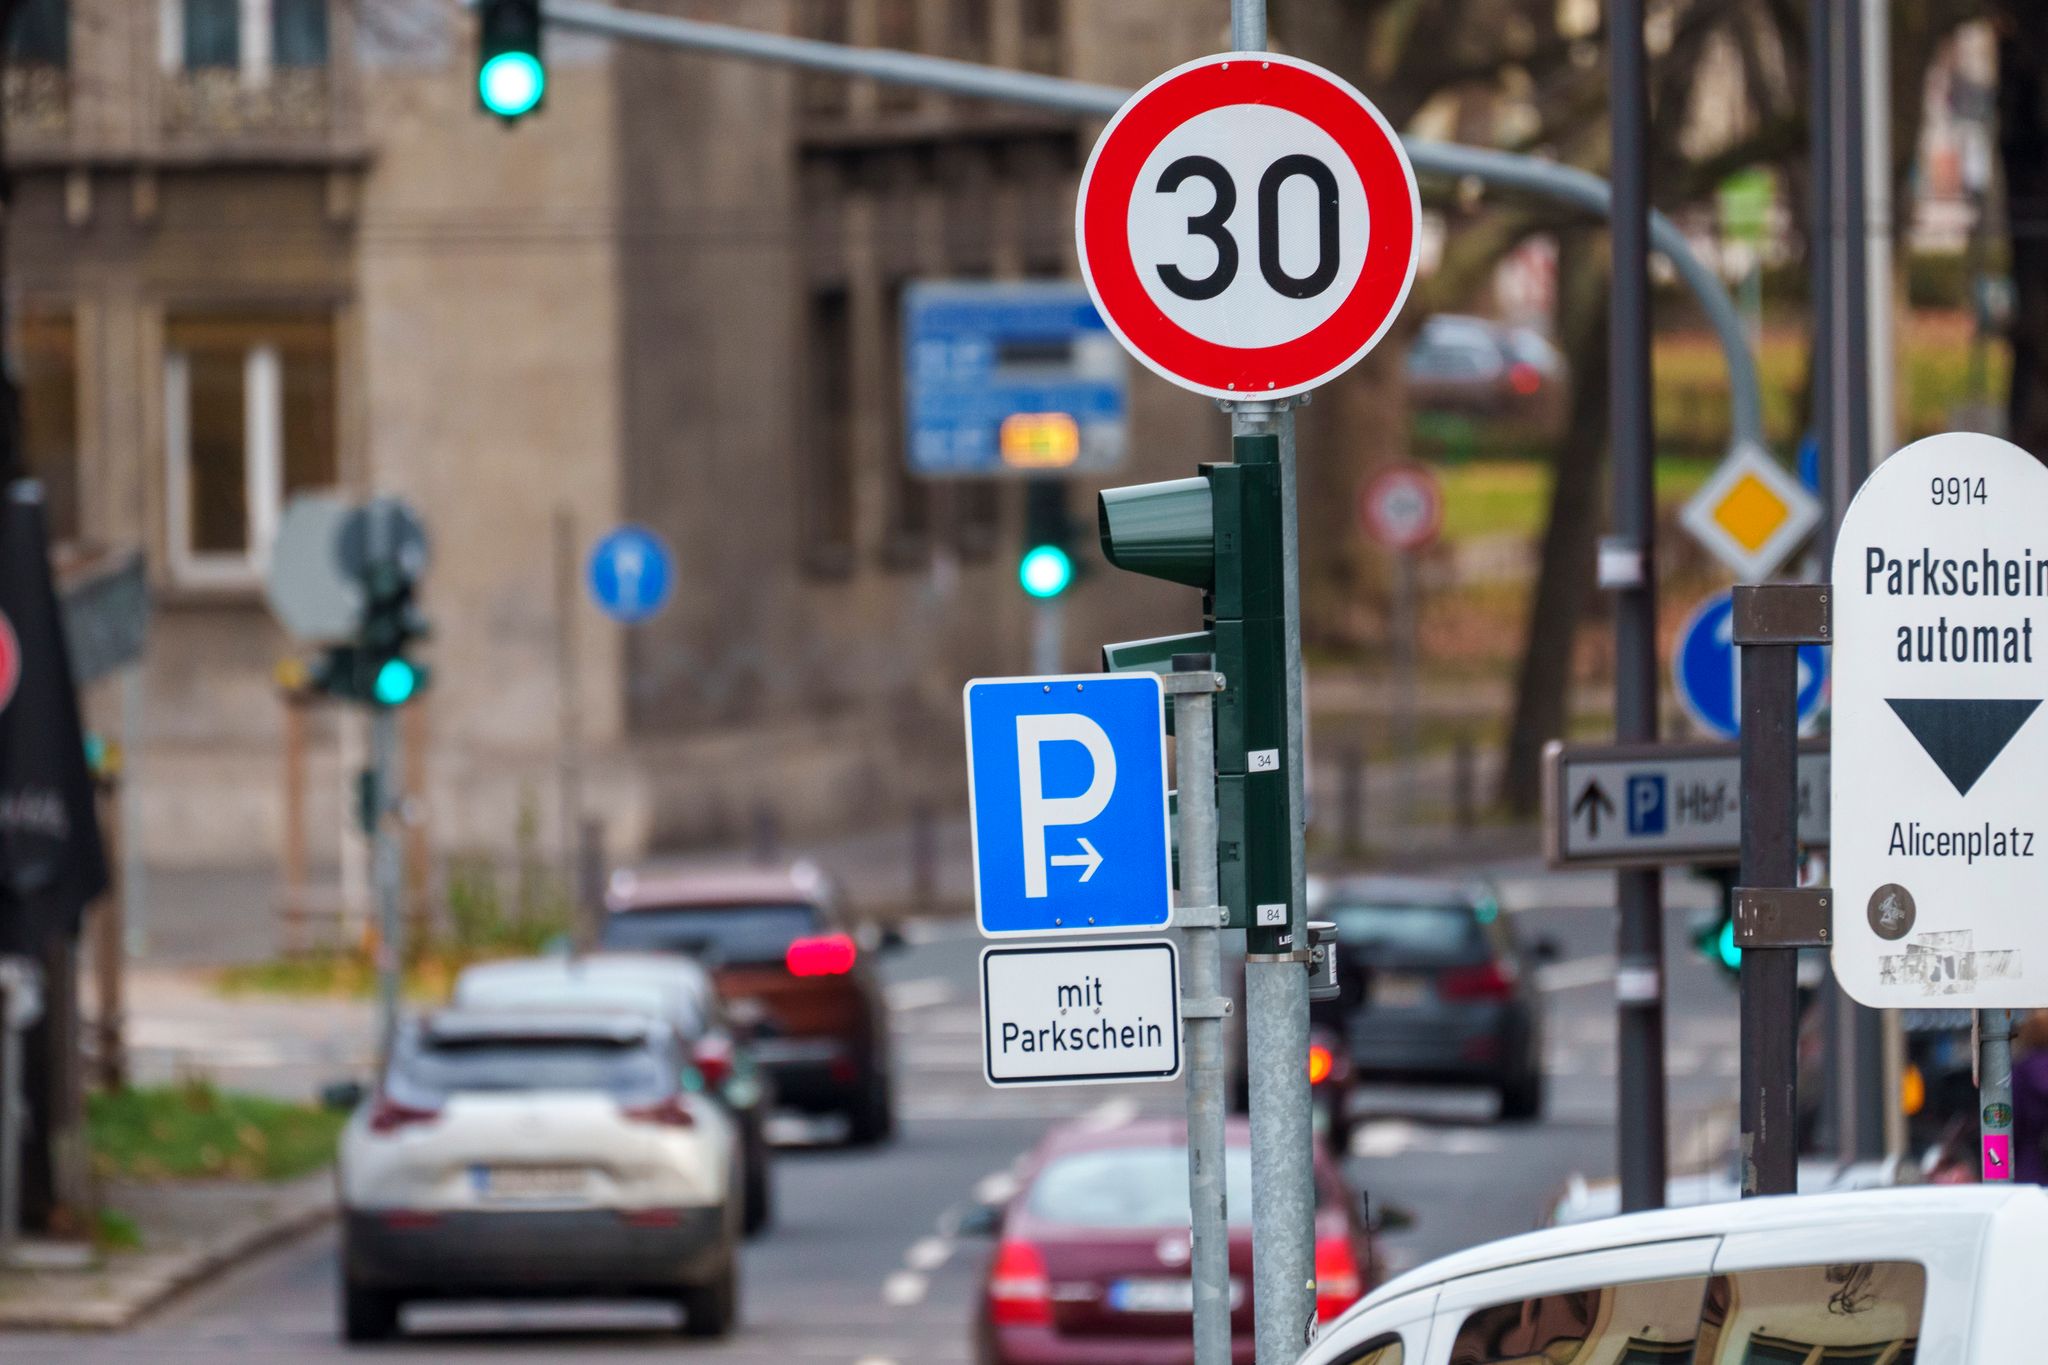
[511,83]
[1045,571]
[1165,530]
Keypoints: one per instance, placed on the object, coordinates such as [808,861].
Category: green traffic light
[511,83]
[396,681]
[1045,571]
[1725,946]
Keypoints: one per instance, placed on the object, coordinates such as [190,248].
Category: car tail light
[1019,1294]
[651,1218]
[1320,1063]
[1487,981]
[1337,1282]
[389,1115]
[409,1220]
[713,1057]
[1524,378]
[669,1112]
[829,955]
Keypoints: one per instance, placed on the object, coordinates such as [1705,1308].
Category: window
[252,37]
[1654,1323]
[1379,1351]
[969,24]
[828,442]
[249,420]
[1855,1313]
[910,515]
[41,35]
[46,369]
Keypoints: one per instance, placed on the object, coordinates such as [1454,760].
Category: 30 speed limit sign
[1247,225]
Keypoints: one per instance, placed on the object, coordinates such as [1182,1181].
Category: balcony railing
[219,103]
[37,101]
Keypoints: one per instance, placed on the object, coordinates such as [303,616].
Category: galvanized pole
[1406,649]
[1632,562]
[1199,916]
[1994,1091]
[384,782]
[1048,635]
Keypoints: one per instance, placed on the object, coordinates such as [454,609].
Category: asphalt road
[862,1266]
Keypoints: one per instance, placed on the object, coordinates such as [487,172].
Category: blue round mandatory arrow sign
[631,574]
[1708,670]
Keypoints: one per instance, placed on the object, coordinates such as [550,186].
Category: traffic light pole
[1048,634]
[383,780]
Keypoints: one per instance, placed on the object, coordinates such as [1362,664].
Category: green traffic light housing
[1045,572]
[1162,530]
[511,78]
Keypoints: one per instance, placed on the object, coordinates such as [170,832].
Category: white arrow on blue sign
[631,574]
[1066,790]
[1709,671]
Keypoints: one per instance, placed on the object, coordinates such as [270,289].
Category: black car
[1435,988]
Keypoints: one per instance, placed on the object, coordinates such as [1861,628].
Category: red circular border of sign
[1376,487]
[1392,201]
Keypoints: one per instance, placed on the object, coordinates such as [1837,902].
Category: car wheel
[759,1195]
[1521,1099]
[368,1314]
[872,1120]
[712,1309]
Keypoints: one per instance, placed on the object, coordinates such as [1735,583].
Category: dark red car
[1091,1258]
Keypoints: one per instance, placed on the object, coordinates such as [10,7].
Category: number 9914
[1955,491]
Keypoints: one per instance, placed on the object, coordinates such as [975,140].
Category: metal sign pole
[1200,917]
[10,1116]
[1994,1092]
[1048,634]
[1407,647]
[1773,918]
[383,783]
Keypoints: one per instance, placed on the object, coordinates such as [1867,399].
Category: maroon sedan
[1091,1261]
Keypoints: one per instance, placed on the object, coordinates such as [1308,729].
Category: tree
[2023,149]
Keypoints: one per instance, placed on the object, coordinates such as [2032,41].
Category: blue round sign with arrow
[631,574]
[1708,670]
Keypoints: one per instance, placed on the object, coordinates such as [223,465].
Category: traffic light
[384,548]
[1046,568]
[511,79]
[1713,932]
[1221,532]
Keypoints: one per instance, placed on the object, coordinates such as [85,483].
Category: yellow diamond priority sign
[1751,513]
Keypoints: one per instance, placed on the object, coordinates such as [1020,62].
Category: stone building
[262,246]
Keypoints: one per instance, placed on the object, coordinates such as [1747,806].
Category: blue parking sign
[1066,790]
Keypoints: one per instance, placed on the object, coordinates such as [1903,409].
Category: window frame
[262,466]
[255,41]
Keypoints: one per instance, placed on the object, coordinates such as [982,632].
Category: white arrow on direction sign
[1090,860]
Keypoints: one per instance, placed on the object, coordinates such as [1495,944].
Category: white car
[528,1153]
[1925,1275]
[665,986]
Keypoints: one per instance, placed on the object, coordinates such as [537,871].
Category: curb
[130,1285]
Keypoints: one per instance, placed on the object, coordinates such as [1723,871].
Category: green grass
[192,1131]
[116,1232]
[1512,497]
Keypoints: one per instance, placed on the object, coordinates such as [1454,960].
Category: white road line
[1110,1114]
[904,1289]
[920,994]
[1577,974]
[927,1254]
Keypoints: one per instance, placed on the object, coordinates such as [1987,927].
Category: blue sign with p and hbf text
[1066,789]
[1708,670]
[631,573]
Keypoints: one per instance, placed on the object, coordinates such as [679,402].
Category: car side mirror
[343,1097]
[979,1220]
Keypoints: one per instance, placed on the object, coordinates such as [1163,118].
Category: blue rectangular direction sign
[1010,379]
[1066,790]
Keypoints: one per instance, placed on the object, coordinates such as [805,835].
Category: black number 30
[1210,224]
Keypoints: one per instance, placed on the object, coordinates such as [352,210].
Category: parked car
[1435,987]
[525,1152]
[1482,368]
[1091,1258]
[676,989]
[1881,1277]
[778,939]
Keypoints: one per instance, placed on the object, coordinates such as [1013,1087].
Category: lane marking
[920,994]
[904,1288]
[1114,1113]
[927,1254]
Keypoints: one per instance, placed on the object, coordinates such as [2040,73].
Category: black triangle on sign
[1963,735]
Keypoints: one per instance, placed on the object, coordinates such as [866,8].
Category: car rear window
[632,1071]
[1133,1187]
[1437,931]
[739,935]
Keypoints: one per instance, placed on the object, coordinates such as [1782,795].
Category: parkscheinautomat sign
[1941,604]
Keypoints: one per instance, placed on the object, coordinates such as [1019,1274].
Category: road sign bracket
[1175,683]
[1201,917]
[1783,917]
[1783,614]
[1214,1007]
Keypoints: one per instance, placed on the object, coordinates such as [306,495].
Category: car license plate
[1398,991]
[1162,1296]
[531,1183]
